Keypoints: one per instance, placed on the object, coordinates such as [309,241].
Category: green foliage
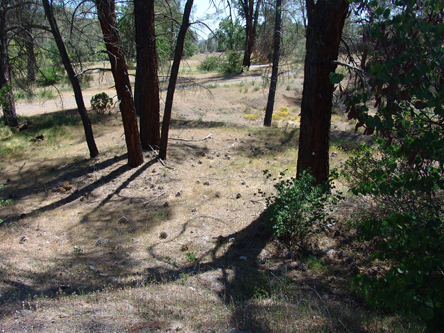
[230,35]
[299,209]
[4,91]
[404,173]
[232,63]
[210,64]
[192,257]
[49,76]
[101,103]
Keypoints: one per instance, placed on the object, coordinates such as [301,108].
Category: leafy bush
[299,209]
[407,229]
[404,174]
[101,103]
[210,64]
[232,62]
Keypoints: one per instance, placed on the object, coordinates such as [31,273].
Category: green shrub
[299,209]
[101,103]
[49,76]
[232,63]
[210,64]
[406,229]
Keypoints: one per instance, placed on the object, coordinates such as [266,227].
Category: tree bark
[147,81]
[173,79]
[108,23]
[275,69]
[323,35]
[6,95]
[31,61]
[251,18]
[93,151]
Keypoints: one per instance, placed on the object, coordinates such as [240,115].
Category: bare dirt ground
[93,246]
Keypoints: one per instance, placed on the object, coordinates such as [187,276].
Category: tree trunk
[108,23]
[147,81]
[93,151]
[325,22]
[30,66]
[6,96]
[173,79]
[248,7]
[275,69]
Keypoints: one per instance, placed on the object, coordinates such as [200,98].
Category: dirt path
[104,83]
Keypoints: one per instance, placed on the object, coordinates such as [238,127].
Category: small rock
[100,242]
[135,240]
[342,254]
[207,182]
[175,327]
[160,187]
[131,230]
[348,261]
[193,210]
[198,181]
[217,194]
[199,162]
[163,234]
[23,239]
[123,220]
[184,248]
[302,266]
[63,315]
[238,196]
[344,240]
[178,193]
[92,267]
[166,204]
[292,265]
[243,258]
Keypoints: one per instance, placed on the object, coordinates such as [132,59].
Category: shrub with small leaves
[232,63]
[299,209]
[210,64]
[101,103]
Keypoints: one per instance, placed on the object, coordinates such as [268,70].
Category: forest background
[355,248]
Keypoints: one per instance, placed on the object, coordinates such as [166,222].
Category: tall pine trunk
[275,69]
[173,79]
[31,61]
[325,23]
[6,96]
[114,46]
[147,81]
[93,151]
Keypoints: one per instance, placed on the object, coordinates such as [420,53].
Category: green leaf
[426,313]
[336,78]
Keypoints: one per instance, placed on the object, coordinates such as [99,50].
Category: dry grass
[176,248]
